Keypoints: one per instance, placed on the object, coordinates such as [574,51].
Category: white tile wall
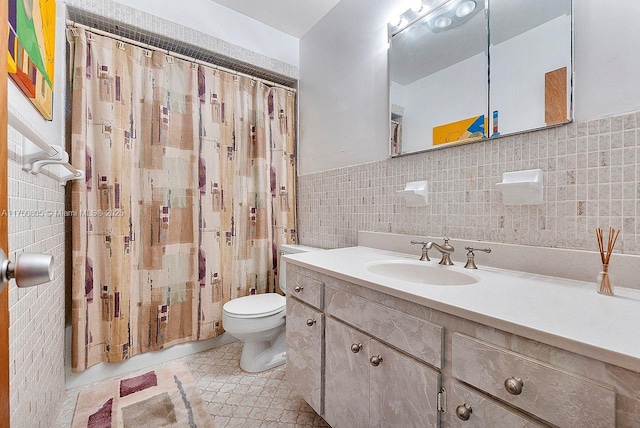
[120,19]
[591,179]
[36,332]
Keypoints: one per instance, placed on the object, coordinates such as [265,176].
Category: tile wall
[36,332]
[591,178]
[135,24]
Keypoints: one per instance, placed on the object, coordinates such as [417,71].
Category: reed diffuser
[604,277]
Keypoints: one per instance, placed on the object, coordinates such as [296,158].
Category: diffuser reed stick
[604,278]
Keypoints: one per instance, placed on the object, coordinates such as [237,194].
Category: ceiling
[294,17]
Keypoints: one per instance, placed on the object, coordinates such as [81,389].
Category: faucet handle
[425,251]
[471,249]
[471,264]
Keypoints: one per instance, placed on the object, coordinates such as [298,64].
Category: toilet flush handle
[28,270]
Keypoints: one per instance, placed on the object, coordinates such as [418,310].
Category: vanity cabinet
[369,384]
[305,340]
[377,360]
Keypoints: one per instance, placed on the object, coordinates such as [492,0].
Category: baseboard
[104,371]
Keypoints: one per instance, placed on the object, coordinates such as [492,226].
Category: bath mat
[163,397]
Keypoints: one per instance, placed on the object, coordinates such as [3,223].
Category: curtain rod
[71,23]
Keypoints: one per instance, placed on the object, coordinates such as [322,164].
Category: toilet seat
[255,306]
[258,314]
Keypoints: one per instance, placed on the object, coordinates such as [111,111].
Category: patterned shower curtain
[189,189]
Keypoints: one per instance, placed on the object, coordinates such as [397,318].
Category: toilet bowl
[259,321]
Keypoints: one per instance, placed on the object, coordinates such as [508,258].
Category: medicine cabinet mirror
[467,70]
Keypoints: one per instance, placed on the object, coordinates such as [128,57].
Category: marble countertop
[564,313]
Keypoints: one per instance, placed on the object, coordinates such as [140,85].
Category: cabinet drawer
[483,411]
[302,287]
[415,336]
[305,356]
[554,395]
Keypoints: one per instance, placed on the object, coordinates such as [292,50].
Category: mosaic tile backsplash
[125,21]
[591,176]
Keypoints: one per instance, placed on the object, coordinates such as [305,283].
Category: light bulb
[442,22]
[465,8]
[397,21]
[416,5]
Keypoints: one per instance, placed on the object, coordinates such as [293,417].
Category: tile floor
[234,398]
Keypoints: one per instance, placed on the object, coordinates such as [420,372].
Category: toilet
[259,321]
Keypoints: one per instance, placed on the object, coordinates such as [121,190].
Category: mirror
[530,55]
[459,72]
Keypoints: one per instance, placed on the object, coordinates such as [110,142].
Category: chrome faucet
[425,250]
[445,249]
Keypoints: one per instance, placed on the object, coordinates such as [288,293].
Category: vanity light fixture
[454,14]
[397,21]
[415,9]
[465,8]
[440,15]
[442,22]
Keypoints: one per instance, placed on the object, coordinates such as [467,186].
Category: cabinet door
[404,392]
[305,327]
[346,376]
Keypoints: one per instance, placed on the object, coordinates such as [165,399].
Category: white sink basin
[420,272]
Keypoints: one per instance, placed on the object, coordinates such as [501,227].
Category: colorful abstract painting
[469,129]
[32,29]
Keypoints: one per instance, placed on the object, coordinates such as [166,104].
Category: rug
[163,397]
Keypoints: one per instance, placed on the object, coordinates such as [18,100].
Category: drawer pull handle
[464,411]
[311,322]
[514,385]
[375,360]
[297,288]
[356,347]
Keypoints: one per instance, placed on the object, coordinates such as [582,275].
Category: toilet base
[258,356]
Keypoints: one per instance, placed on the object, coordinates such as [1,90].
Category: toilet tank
[290,249]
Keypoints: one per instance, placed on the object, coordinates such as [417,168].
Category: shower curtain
[189,190]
